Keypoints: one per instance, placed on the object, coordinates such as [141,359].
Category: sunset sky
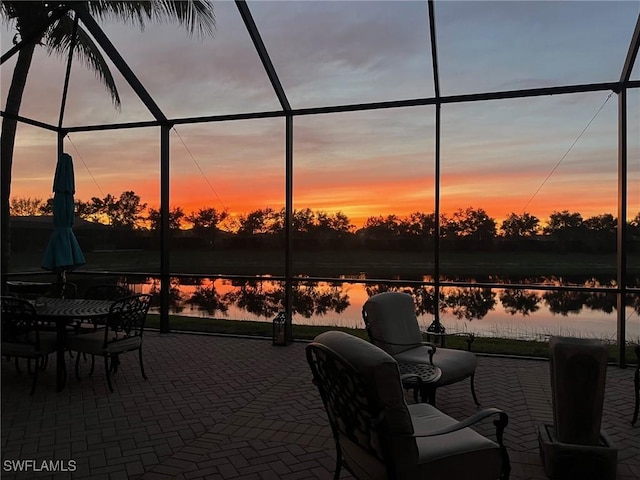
[495,154]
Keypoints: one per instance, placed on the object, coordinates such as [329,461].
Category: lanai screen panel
[542,157]
[34,163]
[495,46]
[122,168]
[334,53]
[374,169]
[191,76]
[238,169]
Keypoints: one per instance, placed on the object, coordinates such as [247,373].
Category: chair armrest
[432,347]
[418,386]
[500,423]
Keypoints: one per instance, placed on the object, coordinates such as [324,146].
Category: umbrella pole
[62,282]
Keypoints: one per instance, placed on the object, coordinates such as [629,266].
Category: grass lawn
[489,345]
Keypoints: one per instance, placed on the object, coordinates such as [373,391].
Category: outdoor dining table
[63,311]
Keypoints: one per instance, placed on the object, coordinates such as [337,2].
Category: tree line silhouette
[465,229]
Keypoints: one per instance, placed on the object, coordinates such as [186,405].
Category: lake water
[530,314]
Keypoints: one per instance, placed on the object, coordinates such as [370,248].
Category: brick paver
[218,407]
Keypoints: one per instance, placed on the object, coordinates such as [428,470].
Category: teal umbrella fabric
[63,251]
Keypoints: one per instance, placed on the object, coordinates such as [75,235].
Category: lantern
[279,329]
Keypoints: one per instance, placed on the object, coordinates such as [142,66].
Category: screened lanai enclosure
[484,156]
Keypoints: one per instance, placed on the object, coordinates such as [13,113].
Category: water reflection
[262,299]
[520,301]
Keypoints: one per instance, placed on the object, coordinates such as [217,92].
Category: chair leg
[500,425]
[636,384]
[29,366]
[17,365]
[93,364]
[336,475]
[115,363]
[35,377]
[78,366]
[141,364]
[473,389]
[106,372]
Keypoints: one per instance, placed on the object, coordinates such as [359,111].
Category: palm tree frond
[59,40]
[194,15]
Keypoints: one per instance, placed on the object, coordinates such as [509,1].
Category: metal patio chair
[21,336]
[378,436]
[123,333]
[392,325]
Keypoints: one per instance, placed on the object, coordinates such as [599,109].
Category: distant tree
[389,225]
[84,210]
[303,220]
[99,209]
[205,222]
[474,224]
[634,227]
[26,206]
[338,222]
[605,223]
[127,210]
[421,224]
[256,221]
[563,221]
[518,226]
[176,215]
[206,218]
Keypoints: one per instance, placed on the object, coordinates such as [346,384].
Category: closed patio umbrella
[63,251]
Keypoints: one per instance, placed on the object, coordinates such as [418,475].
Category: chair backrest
[106,292]
[19,322]
[363,397]
[391,322]
[127,317]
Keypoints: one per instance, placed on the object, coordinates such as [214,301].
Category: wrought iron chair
[100,292]
[21,336]
[636,385]
[378,436]
[123,333]
[392,325]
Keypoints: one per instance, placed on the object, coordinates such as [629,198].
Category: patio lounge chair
[392,325]
[378,436]
[21,336]
[123,333]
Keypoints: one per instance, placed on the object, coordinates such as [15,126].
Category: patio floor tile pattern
[219,407]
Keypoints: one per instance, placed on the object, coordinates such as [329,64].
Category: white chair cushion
[93,344]
[399,331]
[461,454]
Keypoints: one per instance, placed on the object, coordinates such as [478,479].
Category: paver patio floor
[219,407]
